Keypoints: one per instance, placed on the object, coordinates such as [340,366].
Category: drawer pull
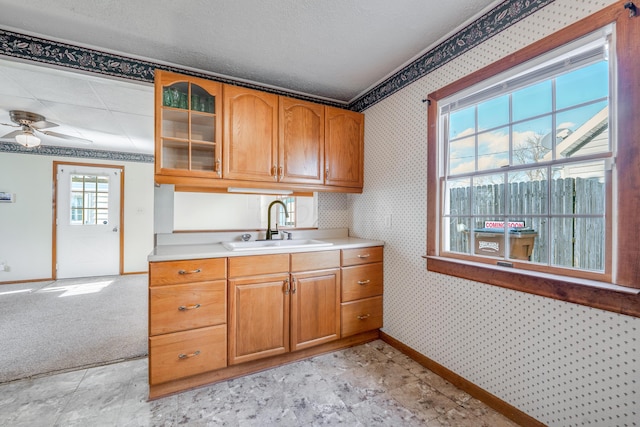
[186,356]
[188,307]
[364,316]
[364,282]
[189,272]
[364,256]
[287,287]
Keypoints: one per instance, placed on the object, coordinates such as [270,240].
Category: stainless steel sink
[257,245]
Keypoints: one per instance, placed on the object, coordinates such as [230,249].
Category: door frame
[54,240]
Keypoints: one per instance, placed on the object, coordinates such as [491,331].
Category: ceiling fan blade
[10,124]
[63,136]
[43,124]
[11,134]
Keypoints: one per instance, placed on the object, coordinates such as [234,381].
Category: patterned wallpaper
[562,363]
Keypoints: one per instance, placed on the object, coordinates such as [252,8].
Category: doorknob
[115,229]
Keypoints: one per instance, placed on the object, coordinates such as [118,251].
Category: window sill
[601,295]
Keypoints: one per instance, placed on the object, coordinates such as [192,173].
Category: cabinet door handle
[364,282]
[287,286]
[187,356]
[364,256]
[189,272]
[293,282]
[274,169]
[281,172]
[364,316]
[217,168]
[188,307]
[326,173]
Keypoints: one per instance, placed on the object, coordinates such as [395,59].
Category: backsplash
[333,210]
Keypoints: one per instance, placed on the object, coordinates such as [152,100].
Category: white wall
[26,225]
[562,363]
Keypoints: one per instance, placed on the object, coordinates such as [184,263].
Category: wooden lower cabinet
[362,287]
[276,313]
[315,308]
[216,319]
[361,315]
[182,354]
[187,319]
[258,317]
[175,308]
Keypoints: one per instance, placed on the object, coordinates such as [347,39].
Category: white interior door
[88,221]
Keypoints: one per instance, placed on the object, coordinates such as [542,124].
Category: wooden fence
[575,241]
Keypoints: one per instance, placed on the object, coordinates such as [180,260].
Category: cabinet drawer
[309,261]
[258,264]
[175,308]
[361,281]
[195,270]
[361,255]
[182,354]
[360,316]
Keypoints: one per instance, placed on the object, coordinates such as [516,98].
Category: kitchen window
[525,161]
[531,170]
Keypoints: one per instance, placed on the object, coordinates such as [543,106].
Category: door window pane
[89,200]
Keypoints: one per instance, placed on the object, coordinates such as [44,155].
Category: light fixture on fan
[31,124]
[27,138]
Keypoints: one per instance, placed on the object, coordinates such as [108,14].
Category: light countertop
[177,252]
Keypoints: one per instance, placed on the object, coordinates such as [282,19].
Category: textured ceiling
[330,49]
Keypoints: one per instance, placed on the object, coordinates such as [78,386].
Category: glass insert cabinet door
[188,129]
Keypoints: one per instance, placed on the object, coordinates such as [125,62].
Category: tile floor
[369,385]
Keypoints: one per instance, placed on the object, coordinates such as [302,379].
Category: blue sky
[531,107]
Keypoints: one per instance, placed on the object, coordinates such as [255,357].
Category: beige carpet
[65,324]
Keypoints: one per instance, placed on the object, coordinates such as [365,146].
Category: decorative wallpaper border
[496,20]
[81,153]
[80,58]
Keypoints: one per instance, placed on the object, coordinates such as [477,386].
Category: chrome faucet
[271,232]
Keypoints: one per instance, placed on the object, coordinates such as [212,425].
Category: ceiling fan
[31,124]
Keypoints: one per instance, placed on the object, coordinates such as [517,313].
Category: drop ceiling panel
[125,98]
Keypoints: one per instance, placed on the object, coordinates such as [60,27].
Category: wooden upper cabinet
[209,134]
[301,142]
[250,134]
[188,126]
[344,148]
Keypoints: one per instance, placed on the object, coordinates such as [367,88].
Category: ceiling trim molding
[80,153]
[67,55]
[496,20]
